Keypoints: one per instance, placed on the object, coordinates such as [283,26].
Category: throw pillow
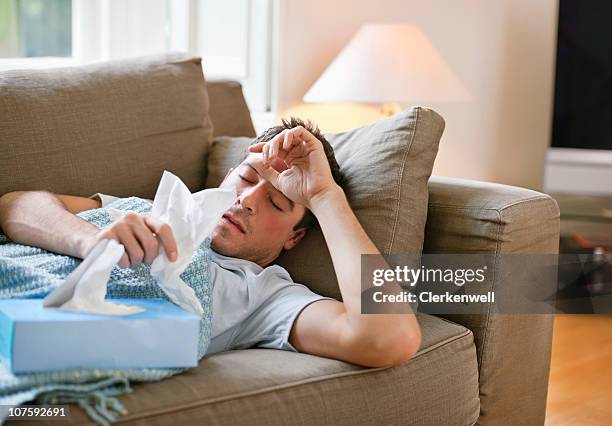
[226,152]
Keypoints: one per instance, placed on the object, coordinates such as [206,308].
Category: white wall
[502,50]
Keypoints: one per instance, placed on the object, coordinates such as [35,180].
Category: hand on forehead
[257,160]
[269,171]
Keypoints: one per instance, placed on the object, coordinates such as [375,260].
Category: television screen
[583,84]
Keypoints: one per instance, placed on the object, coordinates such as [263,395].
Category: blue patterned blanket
[29,272]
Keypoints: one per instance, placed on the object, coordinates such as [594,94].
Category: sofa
[481,368]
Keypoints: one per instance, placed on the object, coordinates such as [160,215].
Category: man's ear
[226,175]
[296,237]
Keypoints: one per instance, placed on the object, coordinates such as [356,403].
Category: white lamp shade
[388,63]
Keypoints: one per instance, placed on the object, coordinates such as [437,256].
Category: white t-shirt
[252,306]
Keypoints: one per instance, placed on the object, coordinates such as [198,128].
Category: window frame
[257,77]
[92,28]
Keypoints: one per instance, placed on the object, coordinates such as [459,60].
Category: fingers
[299,135]
[296,151]
[266,152]
[111,234]
[141,236]
[288,139]
[287,145]
[276,143]
[292,138]
[148,242]
[257,147]
[125,261]
[164,233]
[132,247]
[268,149]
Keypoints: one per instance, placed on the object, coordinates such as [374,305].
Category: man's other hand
[308,174]
[141,236]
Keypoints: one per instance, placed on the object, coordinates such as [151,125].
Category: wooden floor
[580,386]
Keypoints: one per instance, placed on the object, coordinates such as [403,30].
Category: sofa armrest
[513,350]
[466,216]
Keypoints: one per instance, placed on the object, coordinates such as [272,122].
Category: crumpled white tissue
[192,217]
[85,288]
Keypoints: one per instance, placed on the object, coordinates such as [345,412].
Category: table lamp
[388,64]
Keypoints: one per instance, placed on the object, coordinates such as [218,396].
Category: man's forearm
[39,219]
[347,241]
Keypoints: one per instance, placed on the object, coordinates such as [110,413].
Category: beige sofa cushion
[225,153]
[386,166]
[112,127]
[229,111]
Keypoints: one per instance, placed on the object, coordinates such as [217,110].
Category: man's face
[260,223]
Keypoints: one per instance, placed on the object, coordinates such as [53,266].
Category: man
[289,178]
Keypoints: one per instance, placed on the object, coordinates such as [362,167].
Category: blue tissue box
[34,338]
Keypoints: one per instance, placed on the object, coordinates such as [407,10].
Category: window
[234,37]
[34,28]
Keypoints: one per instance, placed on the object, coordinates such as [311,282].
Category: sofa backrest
[229,112]
[113,127]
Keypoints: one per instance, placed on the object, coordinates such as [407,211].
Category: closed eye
[246,180]
[274,204]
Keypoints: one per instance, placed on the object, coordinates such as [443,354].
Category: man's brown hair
[308,220]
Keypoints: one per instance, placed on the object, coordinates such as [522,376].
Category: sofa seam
[399,185]
[299,383]
[527,201]
[497,209]
[488,315]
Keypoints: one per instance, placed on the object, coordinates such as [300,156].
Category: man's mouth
[232,220]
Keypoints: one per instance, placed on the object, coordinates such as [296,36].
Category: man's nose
[248,199]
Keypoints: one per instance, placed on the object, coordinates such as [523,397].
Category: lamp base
[390,108]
